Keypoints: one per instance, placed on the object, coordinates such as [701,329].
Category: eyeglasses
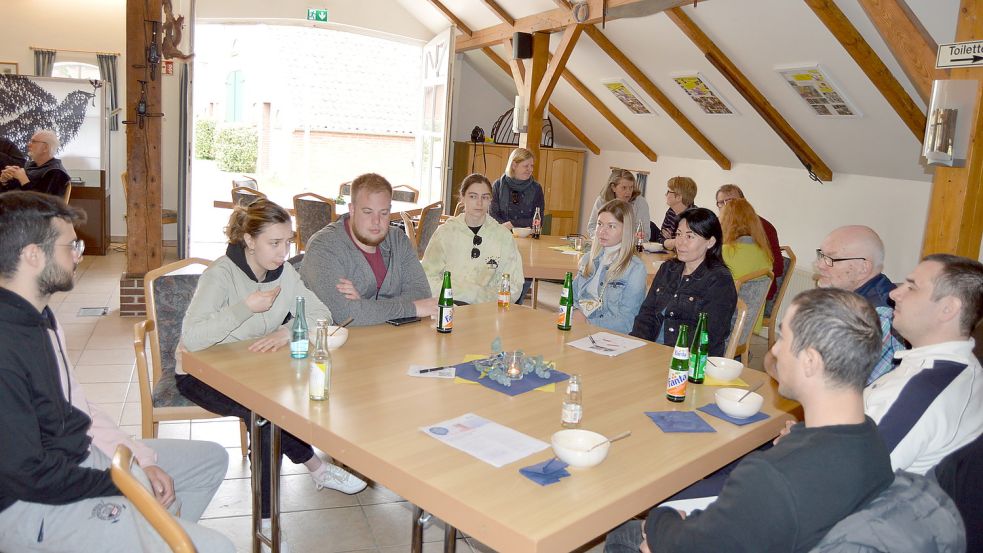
[475,252]
[670,192]
[829,261]
[515,197]
[722,203]
[77,245]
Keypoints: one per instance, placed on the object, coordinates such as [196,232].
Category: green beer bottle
[565,313]
[679,367]
[445,306]
[698,350]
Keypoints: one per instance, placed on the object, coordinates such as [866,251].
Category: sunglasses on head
[515,197]
[475,252]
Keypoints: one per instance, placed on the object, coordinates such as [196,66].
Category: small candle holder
[514,367]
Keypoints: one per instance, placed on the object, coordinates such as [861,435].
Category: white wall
[802,211]
[475,101]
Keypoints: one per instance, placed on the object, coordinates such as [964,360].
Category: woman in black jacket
[696,281]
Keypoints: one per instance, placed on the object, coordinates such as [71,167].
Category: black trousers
[220,404]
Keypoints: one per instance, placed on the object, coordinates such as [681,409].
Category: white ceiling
[758,36]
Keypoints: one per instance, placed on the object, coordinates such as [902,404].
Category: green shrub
[205,139]
[236,149]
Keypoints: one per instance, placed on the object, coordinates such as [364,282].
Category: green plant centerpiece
[505,366]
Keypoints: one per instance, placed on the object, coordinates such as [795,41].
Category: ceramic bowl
[724,369]
[727,401]
[571,446]
[522,232]
[338,339]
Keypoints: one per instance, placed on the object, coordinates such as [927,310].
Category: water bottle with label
[319,384]
[573,408]
[298,332]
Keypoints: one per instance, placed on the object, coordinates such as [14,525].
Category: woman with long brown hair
[746,247]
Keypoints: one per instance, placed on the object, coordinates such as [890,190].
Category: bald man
[44,173]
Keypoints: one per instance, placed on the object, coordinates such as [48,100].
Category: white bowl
[522,232]
[727,401]
[571,447]
[338,339]
[652,247]
[724,369]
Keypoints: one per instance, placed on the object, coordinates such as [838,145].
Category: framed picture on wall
[631,99]
[817,89]
[8,68]
[701,91]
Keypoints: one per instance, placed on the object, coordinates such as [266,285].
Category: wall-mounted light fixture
[949,115]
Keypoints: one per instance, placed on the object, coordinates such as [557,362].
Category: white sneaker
[265,528]
[337,478]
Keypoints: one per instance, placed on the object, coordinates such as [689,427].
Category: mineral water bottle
[298,332]
[573,408]
[679,367]
[320,374]
[505,291]
[445,306]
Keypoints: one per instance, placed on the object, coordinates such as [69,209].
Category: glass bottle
[505,291]
[679,367]
[638,238]
[698,350]
[445,306]
[537,224]
[565,313]
[319,383]
[573,407]
[299,343]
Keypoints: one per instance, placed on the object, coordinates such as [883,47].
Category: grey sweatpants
[112,524]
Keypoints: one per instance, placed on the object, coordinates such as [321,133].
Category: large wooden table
[371,422]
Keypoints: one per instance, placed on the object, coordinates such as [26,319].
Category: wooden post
[955,213]
[531,139]
[143,157]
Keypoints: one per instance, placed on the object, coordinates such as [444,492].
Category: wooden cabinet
[559,170]
[93,198]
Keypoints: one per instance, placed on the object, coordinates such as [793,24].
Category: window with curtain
[75,70]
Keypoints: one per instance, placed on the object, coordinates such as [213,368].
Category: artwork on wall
[813,84]
[8,68]
[631,99]
[73,108]
[699,88]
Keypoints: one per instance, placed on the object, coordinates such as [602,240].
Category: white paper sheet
[489,441]
[607,344]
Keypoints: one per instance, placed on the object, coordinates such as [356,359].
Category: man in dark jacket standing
[56,493]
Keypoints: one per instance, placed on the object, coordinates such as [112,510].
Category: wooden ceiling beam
[746,88]
[878,73]
[908,41]
[574,129]
[558,63]
[532,138]
[555,20]
[461,26]
[656,93]
[500,12]
[516,67]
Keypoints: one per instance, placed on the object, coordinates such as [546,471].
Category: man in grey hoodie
[362,268]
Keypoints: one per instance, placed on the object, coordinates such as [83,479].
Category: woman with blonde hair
[249,294]
[610,282]
[516,194]
[621,186]
[680,195]
[746,247]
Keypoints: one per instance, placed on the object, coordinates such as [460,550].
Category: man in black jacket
[56,493]
[10,154]
[44,173]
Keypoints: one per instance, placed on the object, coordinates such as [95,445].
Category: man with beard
[44,173]
[57,446]
[362,268]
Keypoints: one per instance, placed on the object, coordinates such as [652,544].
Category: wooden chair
[312,213]
[773,306]
[459,208]
[429,221]
[752,288]
[243,195]
[345,189]
[168,291]
[166,525]
[245,181]
[68,192]
[167,216]
[738,323]
[410,228]
[405,193]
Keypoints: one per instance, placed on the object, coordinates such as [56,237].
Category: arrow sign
[316,14]
[960,54]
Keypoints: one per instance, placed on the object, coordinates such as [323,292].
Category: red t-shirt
[374,259]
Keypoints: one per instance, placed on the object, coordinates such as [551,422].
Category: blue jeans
[625,538]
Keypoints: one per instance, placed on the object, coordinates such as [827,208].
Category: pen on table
[432,370]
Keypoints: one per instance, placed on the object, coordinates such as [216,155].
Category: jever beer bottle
[319,382]
[679,367]
[445,306]
[698,350]
[298,332]
[565,312]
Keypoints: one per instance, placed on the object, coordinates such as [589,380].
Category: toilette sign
[960,54]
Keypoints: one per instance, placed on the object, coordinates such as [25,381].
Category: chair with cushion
[168,291]
[409,227]
[345,189]
[243,195]
[159,518]
[429,221]
[773,306]
[752,288]
[405,193]
[246,181]
[737,326]
[312,213]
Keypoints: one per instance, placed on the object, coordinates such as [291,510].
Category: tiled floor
[375,520]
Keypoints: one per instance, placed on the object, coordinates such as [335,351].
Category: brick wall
[132,302]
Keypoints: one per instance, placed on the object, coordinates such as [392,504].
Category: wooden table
[371,422]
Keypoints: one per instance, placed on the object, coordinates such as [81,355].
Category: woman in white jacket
[475,248]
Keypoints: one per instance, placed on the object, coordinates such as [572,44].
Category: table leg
[275,488]
[450,538]
[535,292]
[255,461]
[416,539]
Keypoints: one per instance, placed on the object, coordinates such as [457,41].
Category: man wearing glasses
[44,173]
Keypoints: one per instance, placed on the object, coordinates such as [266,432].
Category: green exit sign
[314,14]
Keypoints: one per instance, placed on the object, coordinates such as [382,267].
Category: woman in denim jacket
[610,283]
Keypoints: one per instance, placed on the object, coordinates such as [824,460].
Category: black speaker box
[521,46]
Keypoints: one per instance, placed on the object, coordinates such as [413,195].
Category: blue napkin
[528,383]
[714,410]
[679,421]
[546,473]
